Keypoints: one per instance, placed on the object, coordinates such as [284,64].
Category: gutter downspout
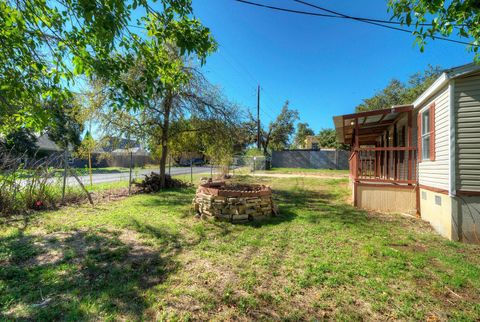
[452,142]
[456,209]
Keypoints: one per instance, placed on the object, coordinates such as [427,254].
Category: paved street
[137,173]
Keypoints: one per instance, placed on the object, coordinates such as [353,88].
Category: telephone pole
[258,117]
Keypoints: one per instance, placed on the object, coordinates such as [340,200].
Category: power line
[242,70]
[245,69]
[246,72]
[288,10]
[342,16]
[335,15]
[376,23]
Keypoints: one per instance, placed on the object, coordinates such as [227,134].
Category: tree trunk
[265,145]
[167,105]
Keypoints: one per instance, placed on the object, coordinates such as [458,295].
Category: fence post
[130,177]
[169,165]
[211,169]
[254,159]
[90,168]
[191,171]
[65,170]
[336,159]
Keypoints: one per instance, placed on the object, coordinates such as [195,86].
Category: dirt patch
[412,223]
[113,194]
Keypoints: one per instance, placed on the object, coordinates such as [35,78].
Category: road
[123,176]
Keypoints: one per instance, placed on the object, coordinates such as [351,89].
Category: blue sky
[323,66]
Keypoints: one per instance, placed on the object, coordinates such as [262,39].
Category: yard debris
[205,180]
[44,303]
[453,292]
[152,183]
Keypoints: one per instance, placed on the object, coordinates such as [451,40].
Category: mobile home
[422,158]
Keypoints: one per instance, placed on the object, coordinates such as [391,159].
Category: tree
[21,142]
[397,93]
[277,137]
[66,126]
[327,138]
[213,138]
[85,150]
[162,117]
[430,18]
[303,130]
[47,45]
[217,140]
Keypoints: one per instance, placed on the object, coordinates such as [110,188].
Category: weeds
[32,184]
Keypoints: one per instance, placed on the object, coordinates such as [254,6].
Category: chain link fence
[60,177]
[249,164]
[45,182]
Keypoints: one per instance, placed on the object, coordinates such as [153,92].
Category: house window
[426,135]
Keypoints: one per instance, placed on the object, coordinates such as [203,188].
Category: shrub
[32,186]
[151,183]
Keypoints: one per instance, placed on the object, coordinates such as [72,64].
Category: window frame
[426,134]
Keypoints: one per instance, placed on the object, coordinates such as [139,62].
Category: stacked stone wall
[234,209]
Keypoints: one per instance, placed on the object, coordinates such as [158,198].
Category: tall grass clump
[31,184]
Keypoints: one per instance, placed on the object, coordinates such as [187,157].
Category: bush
[31,187]
[152,183]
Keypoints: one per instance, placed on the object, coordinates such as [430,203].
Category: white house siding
[467,104]
[436,173]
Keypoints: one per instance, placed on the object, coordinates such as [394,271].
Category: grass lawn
[145,257]
[320,172]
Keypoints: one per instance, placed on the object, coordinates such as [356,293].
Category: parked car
[195,161]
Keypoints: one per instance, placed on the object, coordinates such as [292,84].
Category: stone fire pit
[234,202]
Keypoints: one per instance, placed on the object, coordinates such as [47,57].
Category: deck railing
[392,164]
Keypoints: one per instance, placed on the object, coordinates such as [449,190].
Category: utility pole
[258,117]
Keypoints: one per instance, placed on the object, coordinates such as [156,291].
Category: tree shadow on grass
[79,275]
[171,242]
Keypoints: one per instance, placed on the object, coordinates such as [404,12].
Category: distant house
[45,144]
[311,142]
[135,151]
[120,152]
[111,144]
[422,158]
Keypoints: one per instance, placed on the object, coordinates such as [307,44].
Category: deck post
[357,145]
[409,145]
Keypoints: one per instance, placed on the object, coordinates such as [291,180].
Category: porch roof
[371,124]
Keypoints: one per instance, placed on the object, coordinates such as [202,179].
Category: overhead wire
[369,21]
[342,15]
[241,70]
[382,24]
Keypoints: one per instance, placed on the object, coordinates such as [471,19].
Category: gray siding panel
[467,105]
